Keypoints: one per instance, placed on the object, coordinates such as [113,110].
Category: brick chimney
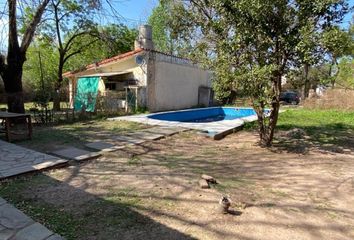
[144,39]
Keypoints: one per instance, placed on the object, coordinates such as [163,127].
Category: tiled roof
[103,62]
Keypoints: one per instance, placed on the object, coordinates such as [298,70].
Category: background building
[141,78]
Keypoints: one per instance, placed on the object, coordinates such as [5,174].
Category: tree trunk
[56,100]
[266,131]
[15,102]
[56,95]
[11,72]
[12,78]
[307,84]
[334,78]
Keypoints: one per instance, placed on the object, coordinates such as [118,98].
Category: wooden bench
[10,120]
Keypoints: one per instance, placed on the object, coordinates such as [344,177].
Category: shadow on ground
[330,138]
[50,138]
[128,194]
[83,215]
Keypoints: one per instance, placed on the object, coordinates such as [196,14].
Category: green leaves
[345,76]
[337,42]
[169,33]
[307,48]
[161,34]
[251,44]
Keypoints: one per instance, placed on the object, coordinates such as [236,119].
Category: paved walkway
[15,160]
[15,225]
[117,142]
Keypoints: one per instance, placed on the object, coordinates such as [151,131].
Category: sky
[348,17]
[133,13]
[138,11]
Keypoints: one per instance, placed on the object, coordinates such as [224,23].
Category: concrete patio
[15,160]
[15,225]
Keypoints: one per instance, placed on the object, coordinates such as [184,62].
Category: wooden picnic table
[10,119]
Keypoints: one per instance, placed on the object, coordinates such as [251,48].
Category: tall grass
[340,99]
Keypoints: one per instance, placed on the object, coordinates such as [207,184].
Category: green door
[86,93]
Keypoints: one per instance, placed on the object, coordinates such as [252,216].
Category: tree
[69,20]
[309,53]
[112,40]
[337,43]
[317,75]
[166,35]
[73,31]
[115,39]
[252,44]
[351,34]
[40,69]
[11,66]
[345,77]
[160,29]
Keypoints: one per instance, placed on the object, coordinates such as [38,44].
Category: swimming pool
[204,114]
[215,122]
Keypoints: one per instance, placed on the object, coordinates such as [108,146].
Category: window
[110,86]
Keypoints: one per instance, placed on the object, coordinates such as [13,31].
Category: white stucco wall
[176,85]
[166,82]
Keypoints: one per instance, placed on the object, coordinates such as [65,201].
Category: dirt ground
[152,192]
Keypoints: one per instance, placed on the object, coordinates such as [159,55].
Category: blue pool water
[205,114]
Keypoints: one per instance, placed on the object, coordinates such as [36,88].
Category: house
[144,78]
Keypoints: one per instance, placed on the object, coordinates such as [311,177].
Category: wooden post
[7,129]
[29,125]
[136,98]
[126,99]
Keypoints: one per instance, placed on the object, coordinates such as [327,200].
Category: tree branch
[2,65]
[57,25]
[13,36]
[72,38]
[79,50]
[30,30]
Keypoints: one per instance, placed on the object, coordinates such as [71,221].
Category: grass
[328,129]
[77,134]
[171,161]
[29,105]
[55,219]
[116,211]
[279,193]
[134,161]
[233,183]
[313,119]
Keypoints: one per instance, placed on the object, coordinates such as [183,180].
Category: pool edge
[221,135]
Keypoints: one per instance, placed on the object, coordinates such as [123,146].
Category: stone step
[16,160]
[128,139]
[146,136]
[14,224]
[167,131]
[76,154]
[103,146]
